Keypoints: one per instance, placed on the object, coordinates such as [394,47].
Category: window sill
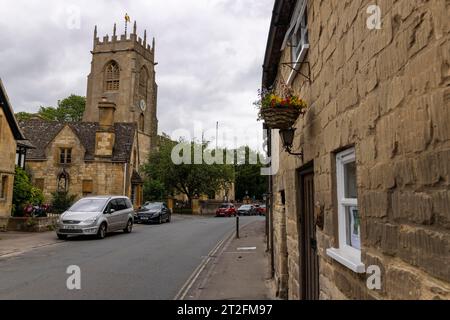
[347,259]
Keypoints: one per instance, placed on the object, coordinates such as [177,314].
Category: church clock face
[142,105]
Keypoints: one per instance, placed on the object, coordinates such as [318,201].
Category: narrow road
[153,262]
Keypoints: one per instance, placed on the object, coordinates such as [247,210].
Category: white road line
[188,284]
[246,249]
[194,276]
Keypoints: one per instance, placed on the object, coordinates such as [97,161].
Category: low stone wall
[209,208]
[31,224]
[3,223]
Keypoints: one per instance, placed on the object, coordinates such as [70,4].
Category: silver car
[96,216]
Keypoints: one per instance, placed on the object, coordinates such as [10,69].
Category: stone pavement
[239,271]
[14,243]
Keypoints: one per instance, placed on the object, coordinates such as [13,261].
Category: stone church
[103,154]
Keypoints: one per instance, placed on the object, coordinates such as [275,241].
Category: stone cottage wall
[7,167]
[107,177]
[387,93]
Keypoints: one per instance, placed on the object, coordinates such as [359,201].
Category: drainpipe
[125,172]
[270,200]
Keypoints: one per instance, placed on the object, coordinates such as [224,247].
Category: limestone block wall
[385,92]
[107,177]
[7,165]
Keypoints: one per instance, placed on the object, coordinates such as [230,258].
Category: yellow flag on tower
[127,18]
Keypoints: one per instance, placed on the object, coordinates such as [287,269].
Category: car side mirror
[111,211]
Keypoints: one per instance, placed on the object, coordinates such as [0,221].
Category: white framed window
[297,37]
[349,222]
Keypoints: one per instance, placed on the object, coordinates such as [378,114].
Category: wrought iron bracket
[296,66]
[298,154]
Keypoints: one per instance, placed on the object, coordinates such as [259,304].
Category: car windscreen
[224,206]
[152,206]
[88,205]
[245,208]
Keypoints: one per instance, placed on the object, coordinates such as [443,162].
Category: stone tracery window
[112,76]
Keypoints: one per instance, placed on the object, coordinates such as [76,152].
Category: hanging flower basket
[282,117]
[278,112]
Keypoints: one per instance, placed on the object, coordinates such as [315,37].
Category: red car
[262,210]
[226,210]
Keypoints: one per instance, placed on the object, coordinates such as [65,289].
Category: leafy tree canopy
[70,109]
[249,181]
[165,177]
[24,192]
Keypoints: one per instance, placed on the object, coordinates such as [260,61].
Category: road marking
[246,249]
[26,250]
[194,276]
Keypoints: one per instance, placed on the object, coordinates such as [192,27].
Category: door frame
[306,170]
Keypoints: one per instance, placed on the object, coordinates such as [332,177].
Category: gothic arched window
[112,76]
[143,84]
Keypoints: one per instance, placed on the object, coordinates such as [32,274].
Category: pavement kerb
[222,245]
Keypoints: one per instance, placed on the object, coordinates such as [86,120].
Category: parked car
[226,210]
[261,209]
[247,210]
[96,216]
[154,212]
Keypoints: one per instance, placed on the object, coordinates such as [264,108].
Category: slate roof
[41,133]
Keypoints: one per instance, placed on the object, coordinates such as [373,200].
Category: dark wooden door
[309,258]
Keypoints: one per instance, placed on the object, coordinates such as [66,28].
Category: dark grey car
[153,212]
[247,210]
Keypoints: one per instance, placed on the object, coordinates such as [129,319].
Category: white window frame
[345,254]
[296,26]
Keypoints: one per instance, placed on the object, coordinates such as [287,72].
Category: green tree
[62,201]
[249,180]
[48,113]
[24,192]
[70,109]
[23,116]
[186,178]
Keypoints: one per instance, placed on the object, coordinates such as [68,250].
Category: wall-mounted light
[287,138]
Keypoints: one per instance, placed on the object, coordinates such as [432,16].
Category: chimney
[105,136]
[106,110]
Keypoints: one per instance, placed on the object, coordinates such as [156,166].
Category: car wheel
[101,234]
[129,227]
[62,236]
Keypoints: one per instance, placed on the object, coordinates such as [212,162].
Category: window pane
[62,156]
[68,155]
[350,180]
[353,227]
[88,205]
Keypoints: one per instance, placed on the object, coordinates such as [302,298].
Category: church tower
[123,72]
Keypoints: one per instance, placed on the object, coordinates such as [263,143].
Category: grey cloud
[210,54]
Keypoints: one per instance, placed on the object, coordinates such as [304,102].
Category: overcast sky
[210,55]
